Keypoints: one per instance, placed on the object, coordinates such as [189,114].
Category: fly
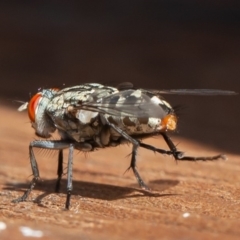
[92,116]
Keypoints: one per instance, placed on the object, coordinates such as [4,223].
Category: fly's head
[41,122]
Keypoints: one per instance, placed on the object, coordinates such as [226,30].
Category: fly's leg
[59,170]
[58,145]
[152,148]
[180,156]
[35,172]
[85,147]
[69,176]
[135,144]
[134,168]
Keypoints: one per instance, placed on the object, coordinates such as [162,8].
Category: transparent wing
[200,92]
[131,103]
[137,103]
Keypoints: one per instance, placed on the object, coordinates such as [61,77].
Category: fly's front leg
[69,176]
[135,144]
[85,147]
[59,145]
[35,172]
[180,156]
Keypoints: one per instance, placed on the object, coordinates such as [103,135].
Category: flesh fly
[92,116]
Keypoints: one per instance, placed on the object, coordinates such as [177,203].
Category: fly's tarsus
[181,157]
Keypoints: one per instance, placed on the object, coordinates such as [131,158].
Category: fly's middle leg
[59,170]
[134,168]
[135,147]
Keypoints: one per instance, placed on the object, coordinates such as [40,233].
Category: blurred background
[163,44]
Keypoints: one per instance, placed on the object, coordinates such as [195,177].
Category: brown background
[154,44]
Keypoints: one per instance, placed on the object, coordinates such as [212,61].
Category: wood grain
[187,201]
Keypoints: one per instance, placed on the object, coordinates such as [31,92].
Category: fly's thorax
[40,120]
[86,117]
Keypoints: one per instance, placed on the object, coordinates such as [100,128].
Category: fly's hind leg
[154,149]
[180,156]
[135,144]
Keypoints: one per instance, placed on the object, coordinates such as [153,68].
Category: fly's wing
[131,103]
[140,103]
[198,92]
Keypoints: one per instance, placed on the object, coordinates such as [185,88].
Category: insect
[92,116]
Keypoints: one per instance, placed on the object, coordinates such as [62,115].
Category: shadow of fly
[92,116]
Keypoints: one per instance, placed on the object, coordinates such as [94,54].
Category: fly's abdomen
[142,112]
[141,126]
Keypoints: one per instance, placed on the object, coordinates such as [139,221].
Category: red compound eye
[32,105]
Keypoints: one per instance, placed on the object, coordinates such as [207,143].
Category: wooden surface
[188,200]
[156,45]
